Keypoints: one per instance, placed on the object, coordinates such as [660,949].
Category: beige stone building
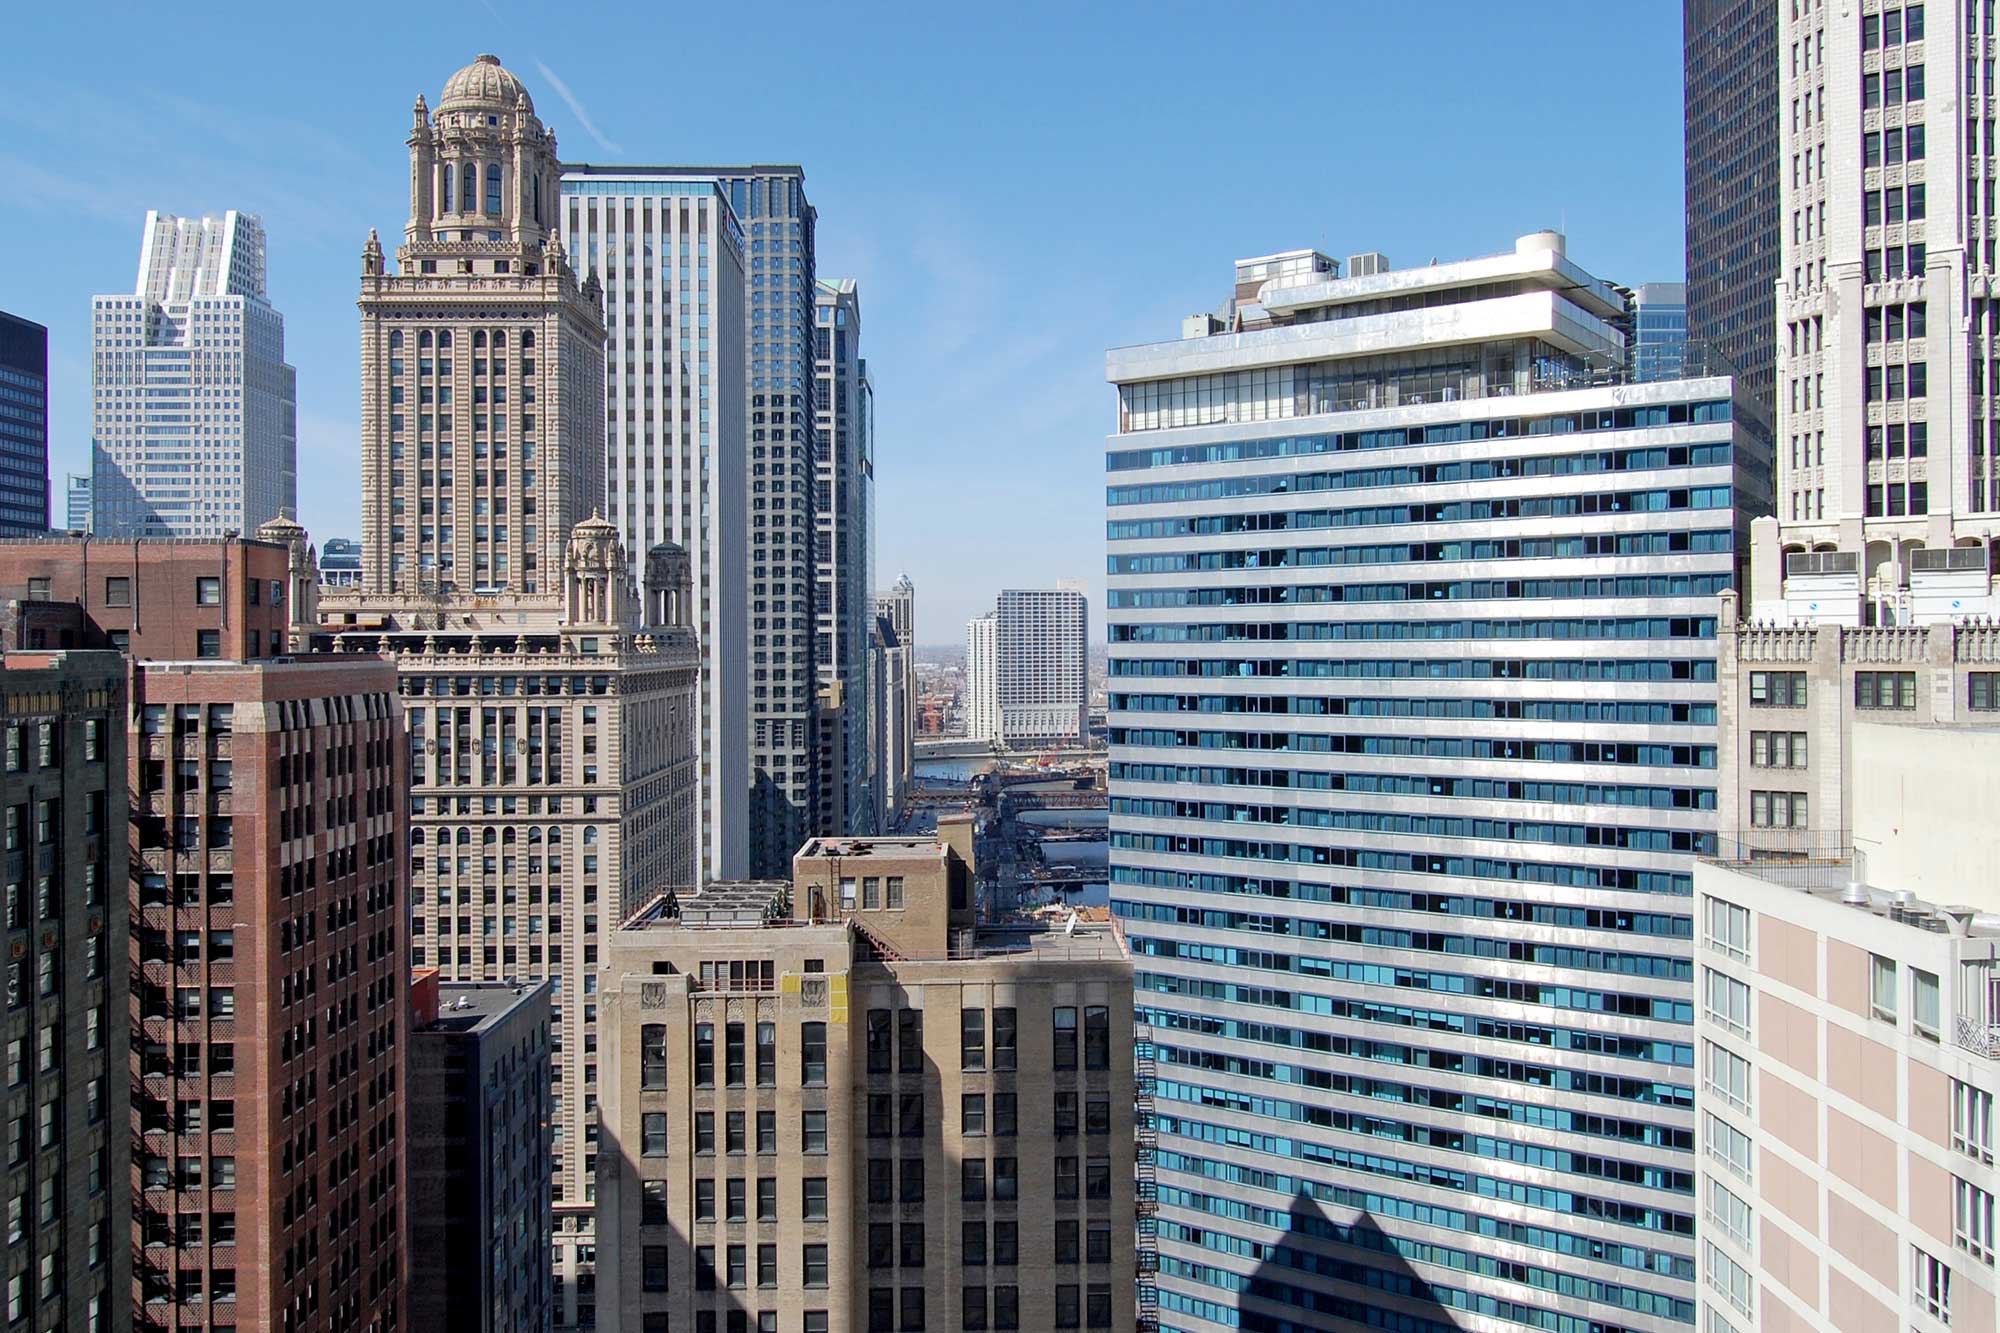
[1791,696]
[551,706]
[840,1103]
[482,359]
[1848,1042]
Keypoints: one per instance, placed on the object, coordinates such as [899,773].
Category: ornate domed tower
[482,361]
[483,168]
[596,577]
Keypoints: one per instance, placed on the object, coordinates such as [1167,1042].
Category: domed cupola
[484,85]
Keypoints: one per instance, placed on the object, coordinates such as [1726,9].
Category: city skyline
[921,194]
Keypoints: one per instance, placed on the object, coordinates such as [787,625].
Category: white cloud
[576,109]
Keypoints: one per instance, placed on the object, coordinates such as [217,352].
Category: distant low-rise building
[480,1215]
[340,563]
[76,502]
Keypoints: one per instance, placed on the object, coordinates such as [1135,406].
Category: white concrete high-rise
[669,251]
[982,680]
[194,429]
[1888,358]
[1041,642]
[1412,708]
[896,620]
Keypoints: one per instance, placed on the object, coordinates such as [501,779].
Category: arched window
[493,187]
[444,339]
[590,836]
[423,340]
[538,197]
[444,188]
[468,188]
[465,837]
[488,838]
[528,338]
[499,337]
[395,339]
[478,340]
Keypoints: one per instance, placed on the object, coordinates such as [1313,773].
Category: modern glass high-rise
[24,427]
[195,413]
[844,554]
[76,502]
[1660,323]
[779,382]
[670,251]
[1412,709]
[1041,666]
[1730,50]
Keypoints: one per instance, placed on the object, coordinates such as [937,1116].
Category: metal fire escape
[1146,1197]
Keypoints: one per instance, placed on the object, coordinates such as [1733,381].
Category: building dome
[483,85]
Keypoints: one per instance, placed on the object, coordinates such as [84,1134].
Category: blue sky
[1016,188]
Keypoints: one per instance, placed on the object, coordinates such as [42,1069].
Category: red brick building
[270,995]
[167,599]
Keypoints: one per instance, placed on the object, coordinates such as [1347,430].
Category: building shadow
[1322,1275]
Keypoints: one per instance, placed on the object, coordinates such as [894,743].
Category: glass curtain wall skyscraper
[195,413]
[844,554]
[24,427]
[1730,51]
[1412,698]
[669,249]
[778,384]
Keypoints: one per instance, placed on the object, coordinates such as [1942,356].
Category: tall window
[1065,1037]
[704,1055]
[653,1056]
[1728,1001]
[878,1041]
[468,190]
[493,187]
[972,1039]
[1003,1038]
[1972,1220]
[1972,1121]
[1096,1037]
[1930,1285]
[1882,987]
[812,1054]
[767,1055]
[1924,1003]
[732,1054]
[910,1040]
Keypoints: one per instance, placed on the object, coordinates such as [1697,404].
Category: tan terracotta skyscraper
[482,359]
[550,699]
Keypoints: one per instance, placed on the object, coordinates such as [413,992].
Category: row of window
[1470,629]
[1443,511]
[1559,547]
[1423,747]
[1610,669]
[1323,594]
[1588,463]
[1236,451]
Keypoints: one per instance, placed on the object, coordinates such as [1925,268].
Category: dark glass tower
[24,427]
[1731,49]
